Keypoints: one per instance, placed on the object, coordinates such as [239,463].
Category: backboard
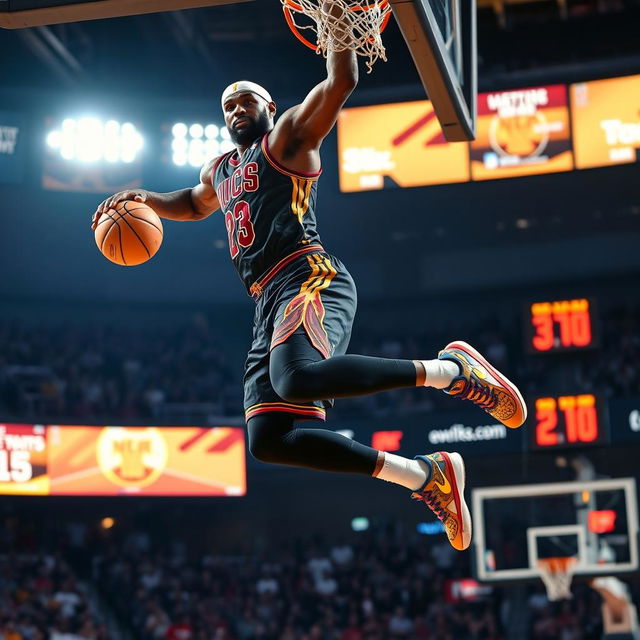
[18,14]
[441,36]
[595,522]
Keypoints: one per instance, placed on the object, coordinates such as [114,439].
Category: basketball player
[619,614]
[306,301]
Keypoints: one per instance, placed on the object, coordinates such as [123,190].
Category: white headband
[245,85]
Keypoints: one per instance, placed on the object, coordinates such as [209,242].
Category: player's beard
[256,129]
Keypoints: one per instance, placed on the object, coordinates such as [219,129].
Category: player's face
[247,117]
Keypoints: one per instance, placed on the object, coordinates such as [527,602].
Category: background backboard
[441,36]
[596,522]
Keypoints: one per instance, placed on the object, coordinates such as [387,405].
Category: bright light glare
[226,145]
[67,152]
[88,139]
[179,144]
[224,133]
[196,130]
[54,139]
[179,130]
[112,128]
[196,144]
[180,159]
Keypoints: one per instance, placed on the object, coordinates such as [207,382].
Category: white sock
[440,373]
[411,474]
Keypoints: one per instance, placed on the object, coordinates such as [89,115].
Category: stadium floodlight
[91,140]
[211,131]
[212,148]
[179,130]
[180,158]
[196,143]
[54,139]
[196,130]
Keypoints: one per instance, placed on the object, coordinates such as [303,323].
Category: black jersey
[269,210]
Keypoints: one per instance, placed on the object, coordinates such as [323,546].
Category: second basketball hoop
[340,25]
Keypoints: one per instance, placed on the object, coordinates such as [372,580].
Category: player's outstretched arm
[307,124]
[195,203]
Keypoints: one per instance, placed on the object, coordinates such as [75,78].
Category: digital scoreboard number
[23,461]
[567,422]
[561,325]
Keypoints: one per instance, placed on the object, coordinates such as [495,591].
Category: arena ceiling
[191,53]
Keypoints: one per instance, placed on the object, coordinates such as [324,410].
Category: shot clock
[567,422]
[560,325]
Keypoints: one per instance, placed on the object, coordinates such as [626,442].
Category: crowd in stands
[376,589]
[377,586]
[41,599]
[150,584]
[137,373]
[86,372]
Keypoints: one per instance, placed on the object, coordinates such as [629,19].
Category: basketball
[130,234]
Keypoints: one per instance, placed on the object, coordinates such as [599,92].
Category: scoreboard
[23,459]
[520,132]
[110,461]
[606,121]
[567,422]
[560,325]
[399,145]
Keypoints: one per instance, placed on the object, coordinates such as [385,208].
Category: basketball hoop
[557,573]
[341,25]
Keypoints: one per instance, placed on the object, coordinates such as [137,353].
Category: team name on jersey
[242,179]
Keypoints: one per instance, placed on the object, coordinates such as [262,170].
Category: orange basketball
[130,234]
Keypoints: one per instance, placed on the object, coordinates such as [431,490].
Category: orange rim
[294,28]
[290,5]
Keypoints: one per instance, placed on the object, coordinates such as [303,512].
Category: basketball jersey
[269,210]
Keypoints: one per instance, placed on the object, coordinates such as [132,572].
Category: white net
[339,25]
[557,573]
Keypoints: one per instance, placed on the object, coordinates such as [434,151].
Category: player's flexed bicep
[303,127]
[203,195]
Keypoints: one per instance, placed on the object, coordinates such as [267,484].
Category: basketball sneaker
[443,493]
[484,385]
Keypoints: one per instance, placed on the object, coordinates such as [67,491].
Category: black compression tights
[299,374]
[273,438]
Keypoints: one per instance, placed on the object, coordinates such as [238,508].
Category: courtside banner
[110,461]
[521,133]
[468,432]
[606,121]
[397,145]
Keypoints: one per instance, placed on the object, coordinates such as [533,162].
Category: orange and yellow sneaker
[443,493]
[484,385]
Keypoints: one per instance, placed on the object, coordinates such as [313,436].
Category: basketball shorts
[314,295]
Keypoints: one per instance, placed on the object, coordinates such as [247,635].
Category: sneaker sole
[456,464]
[506,383]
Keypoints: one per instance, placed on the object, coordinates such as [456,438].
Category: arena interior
[523,243]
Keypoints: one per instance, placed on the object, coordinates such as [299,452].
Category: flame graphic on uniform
[307,309]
